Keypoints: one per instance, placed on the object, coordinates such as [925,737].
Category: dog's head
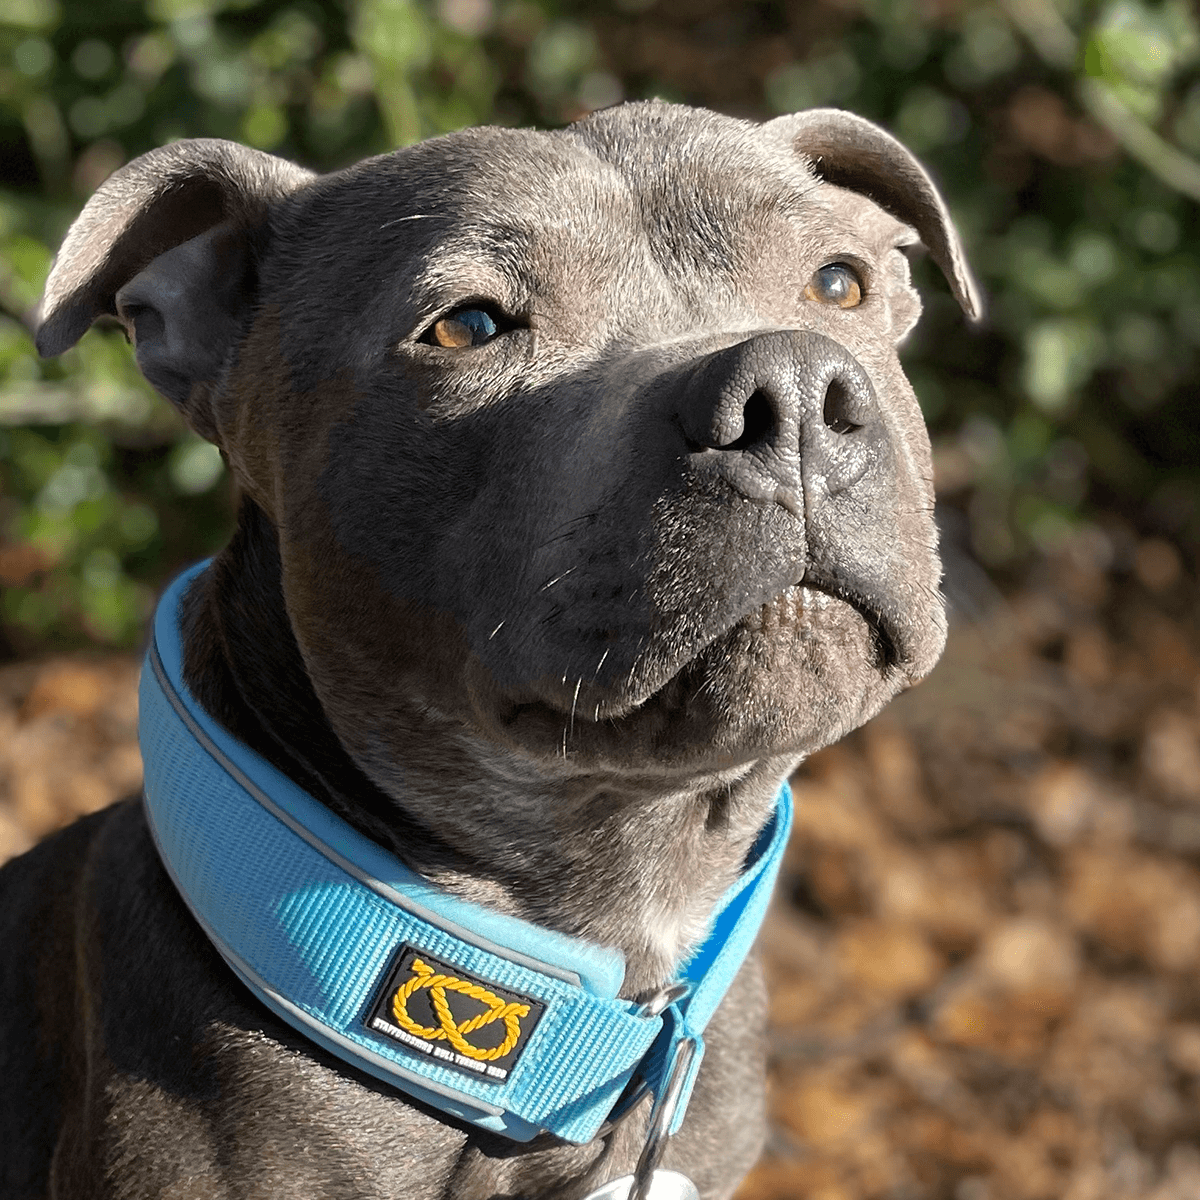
[595,441]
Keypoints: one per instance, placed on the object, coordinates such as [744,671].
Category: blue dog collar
[488,1018]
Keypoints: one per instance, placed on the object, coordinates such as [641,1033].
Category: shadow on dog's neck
[617,864]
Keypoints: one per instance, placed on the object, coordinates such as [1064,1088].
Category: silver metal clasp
[648,1181]
[663,999]
[661,1116]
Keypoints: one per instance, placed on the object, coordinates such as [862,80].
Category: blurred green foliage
[1065,134]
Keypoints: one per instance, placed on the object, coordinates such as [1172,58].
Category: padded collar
[489,1018]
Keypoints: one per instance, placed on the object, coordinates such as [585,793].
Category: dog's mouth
[804,611]
[817,593]
[767,639]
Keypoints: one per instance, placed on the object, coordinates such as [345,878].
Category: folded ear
[167,245]
[854,153]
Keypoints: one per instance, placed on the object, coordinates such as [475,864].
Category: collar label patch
[434,1008]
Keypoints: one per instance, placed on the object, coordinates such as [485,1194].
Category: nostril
[758,422]
[838,407]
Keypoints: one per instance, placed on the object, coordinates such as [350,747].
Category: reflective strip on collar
[491,1019]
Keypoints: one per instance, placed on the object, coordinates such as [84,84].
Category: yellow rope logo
[438,984]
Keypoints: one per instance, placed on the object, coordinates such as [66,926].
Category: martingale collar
[491,1019]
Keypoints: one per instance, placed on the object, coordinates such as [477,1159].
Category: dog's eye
[463,327]
[837,284]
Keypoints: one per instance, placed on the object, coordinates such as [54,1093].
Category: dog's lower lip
[799,598]
[787,608]
[812,595]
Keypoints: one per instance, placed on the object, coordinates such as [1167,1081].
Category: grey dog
[582,495]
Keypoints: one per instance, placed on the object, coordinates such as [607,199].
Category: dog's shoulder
[40,914]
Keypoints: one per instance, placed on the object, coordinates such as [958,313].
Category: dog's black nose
[784,409]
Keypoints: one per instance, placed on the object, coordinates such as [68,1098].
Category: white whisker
[414,217]
[553,581]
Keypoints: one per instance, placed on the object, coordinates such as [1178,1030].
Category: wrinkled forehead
[521,200]
[623,164]
[590,220]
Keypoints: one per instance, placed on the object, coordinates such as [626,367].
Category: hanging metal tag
[648,1182]
[664,1185]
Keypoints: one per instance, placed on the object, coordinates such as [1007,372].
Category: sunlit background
[985,952]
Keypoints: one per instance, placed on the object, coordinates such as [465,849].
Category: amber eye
[463,327]
[835,284]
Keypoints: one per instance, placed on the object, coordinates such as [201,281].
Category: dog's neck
[635,862]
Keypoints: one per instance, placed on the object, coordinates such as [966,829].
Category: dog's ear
[854,153]
[167,245]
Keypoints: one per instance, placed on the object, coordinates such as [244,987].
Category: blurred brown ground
[983,957]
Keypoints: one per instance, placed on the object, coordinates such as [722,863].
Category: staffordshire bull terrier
[582,495]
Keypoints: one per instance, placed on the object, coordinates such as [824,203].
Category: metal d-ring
[665,1104]
[663,999]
